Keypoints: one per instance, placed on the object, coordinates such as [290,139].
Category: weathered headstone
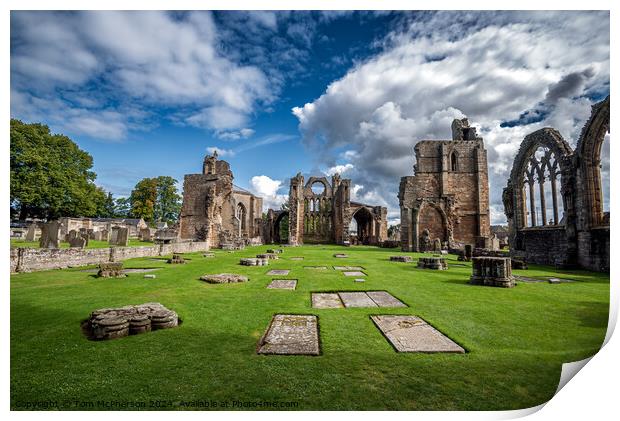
[77,242]
[224,278]
[119,236]
[283,284]
[271,256]
[208,254]
[32,233]
[50,235]
[145,234]
[412,334]
[492,271]
[291,334]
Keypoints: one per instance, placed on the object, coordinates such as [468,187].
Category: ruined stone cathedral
[320,211]
[216,210]
[445,204]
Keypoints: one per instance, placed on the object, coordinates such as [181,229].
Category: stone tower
[447,199]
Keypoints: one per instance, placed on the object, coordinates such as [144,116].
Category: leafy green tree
[156,199]
[50,175]
[168,203]
[143,198]
[122,207]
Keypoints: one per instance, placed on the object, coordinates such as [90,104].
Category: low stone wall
[541,245]
[31,259]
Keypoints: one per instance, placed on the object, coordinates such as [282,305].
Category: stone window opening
[454,165]
[317,188]
[541,179]
[240,214]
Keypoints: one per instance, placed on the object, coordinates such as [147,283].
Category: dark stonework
[492,271]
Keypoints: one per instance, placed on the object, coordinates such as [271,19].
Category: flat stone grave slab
[283,284]
[278,272]
[359,280]
[412,334]
[559,280]
[353,273]
[341,255]
[385,299]
[326,300]
[297,258]
[291,334]
[356,299]
[528,279]
[316,267]
[353,268]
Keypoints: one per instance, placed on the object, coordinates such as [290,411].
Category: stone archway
[364,221]
[280,228]
[588,152]
[431,217]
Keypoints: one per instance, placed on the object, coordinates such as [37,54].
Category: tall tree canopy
[50,175]
[156,199]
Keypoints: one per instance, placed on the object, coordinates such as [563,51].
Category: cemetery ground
[516,338]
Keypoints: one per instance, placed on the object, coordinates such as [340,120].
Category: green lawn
[92,244]
[516,338]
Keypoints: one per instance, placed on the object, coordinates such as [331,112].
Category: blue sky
[150,93]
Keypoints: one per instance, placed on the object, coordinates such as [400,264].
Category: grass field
[92,244]
[516,338]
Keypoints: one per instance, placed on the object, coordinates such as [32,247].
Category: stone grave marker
[297,258]
[341,255]
[353,273]
[283,284]
[31,234]
[405,259]
[111,270]
[385,299]
[359,280]
[316,267]
[282,272]
[326,300]
[412,334]
[356,299]
[119,236]
[349,268]
[224,278]
[77,242]
[291,334]
[50,235]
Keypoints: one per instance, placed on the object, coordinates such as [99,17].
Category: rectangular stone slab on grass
[297,258]
[283,284]
[316,267]
[353,273]
[326,300]
[412,334]
[385,299]
[348,268]
[356,299]
[291,334]
[278,272]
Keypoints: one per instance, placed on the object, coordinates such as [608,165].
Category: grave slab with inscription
[412,334]
[291,334]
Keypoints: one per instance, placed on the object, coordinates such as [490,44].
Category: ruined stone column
[532,203]
[554,196]
[543,207]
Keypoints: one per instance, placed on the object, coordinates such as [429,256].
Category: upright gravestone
[145,234]
[119,236]
[31,234]
[77,242]
[50,235]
